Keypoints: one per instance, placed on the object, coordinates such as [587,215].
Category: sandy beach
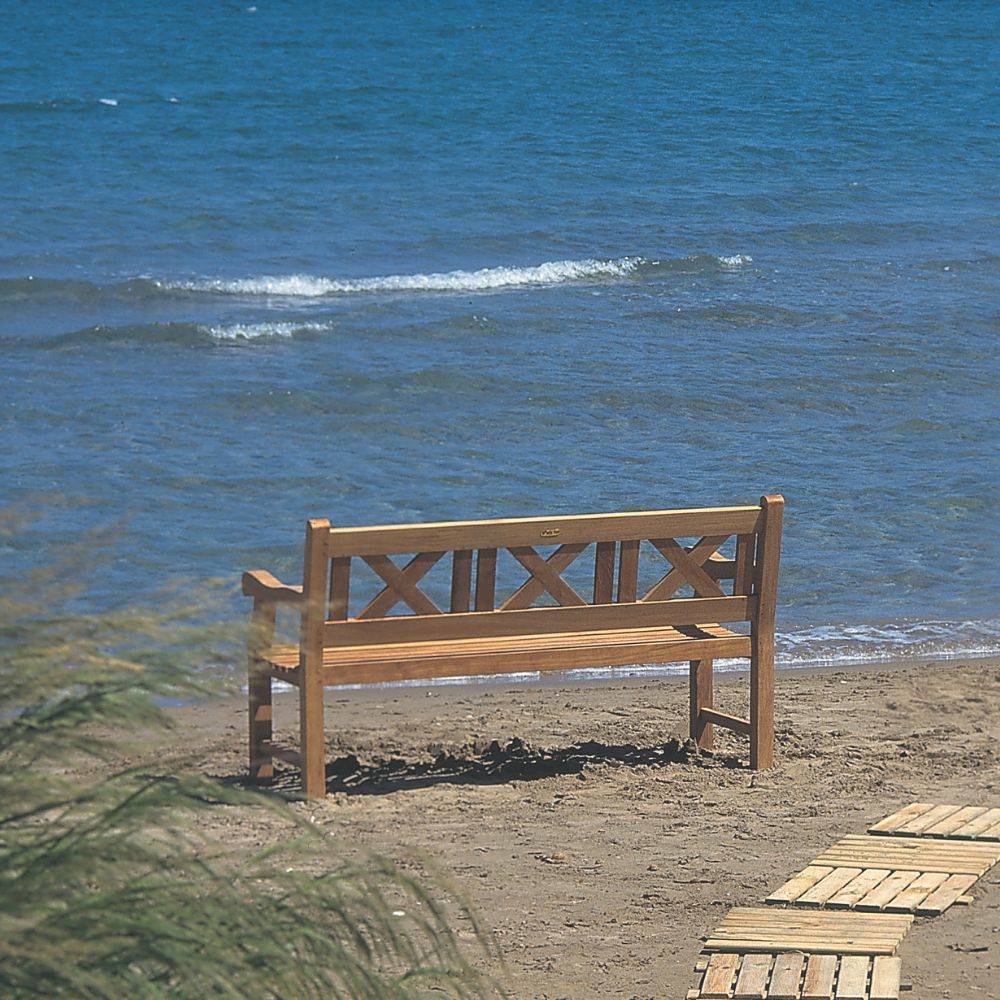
[599,848]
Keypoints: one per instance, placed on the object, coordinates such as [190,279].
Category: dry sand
[601,865]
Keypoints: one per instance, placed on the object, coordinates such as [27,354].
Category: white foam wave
[108,101]
[258,331]
[872,643]
[488,278]
[737,260]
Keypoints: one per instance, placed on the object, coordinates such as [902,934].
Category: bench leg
[312,743]
[762,709]
[259,691]
[702,696]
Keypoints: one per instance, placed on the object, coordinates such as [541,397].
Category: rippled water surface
[265,262]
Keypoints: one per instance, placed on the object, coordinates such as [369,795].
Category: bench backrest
[700,583]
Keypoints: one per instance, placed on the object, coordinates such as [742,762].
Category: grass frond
[107,887]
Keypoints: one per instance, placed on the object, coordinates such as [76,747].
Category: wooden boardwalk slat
[820,973]
[979,826]
[822,934]
[945,895]
[828,886]
[786,976]
[885,979]
[911,853]
[926,819]
[853,931]
[773,916]
[892,823]
[932,845]
[821,942]
[871,922]
[718,981]
[799,884]
[915,893]
[858,889]
[918,864]
[921,850]
[887,890]
[852,980]
[955,821]
[752,981]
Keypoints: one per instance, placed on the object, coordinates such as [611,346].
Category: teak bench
[480,634]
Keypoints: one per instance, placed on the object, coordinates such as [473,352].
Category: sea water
[400,262]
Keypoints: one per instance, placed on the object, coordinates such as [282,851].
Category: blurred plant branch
[106,887]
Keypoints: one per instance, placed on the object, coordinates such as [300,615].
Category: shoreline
[600,861]
[638,675]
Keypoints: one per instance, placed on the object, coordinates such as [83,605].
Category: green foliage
[106,887]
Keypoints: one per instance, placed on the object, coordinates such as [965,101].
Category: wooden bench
[682,616]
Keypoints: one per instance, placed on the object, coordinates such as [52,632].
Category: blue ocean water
[382,262]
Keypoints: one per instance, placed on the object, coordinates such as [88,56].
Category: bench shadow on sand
[496,764]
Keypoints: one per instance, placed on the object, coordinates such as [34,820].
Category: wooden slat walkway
[833,928]
[873,873]
[797,976]
[925,819]
[772,930]
[958,858]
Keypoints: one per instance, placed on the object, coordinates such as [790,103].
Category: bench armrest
[258,583]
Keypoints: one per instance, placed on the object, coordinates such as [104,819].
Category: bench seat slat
[414,660]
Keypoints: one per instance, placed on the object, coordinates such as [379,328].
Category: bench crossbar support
[709,716]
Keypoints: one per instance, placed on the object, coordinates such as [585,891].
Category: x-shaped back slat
[544,576]
[687,568]
[401,585]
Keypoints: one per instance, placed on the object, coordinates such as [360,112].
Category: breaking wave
[186,333]
[264,331]
[891,641]
[486,279]
[31,290]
